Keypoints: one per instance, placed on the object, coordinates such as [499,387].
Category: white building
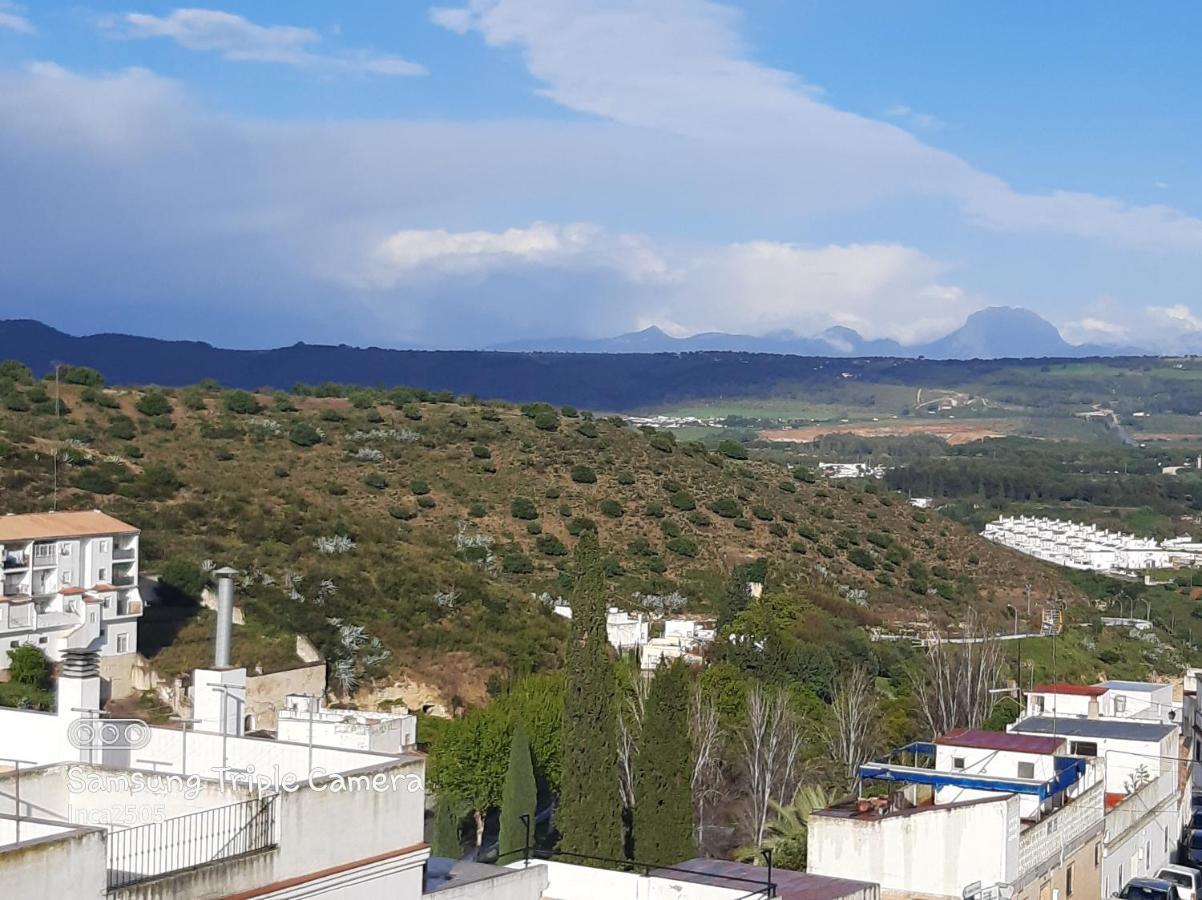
[850,470]
[993,810]
[70,582]
[303,720]
[625,631]
[1080,546]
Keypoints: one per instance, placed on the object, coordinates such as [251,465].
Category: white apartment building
[304,720]
[988,811]
[70,582]
[625,631]
[1080,546]
[1140,700]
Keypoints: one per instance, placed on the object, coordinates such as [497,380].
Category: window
[43,551]
[42,640]
[123,643]
[104,546]
[1097,854]
[64,549]
[1084,748]
[1038,701]
[957,762]
[1026,770]
[102,575]
[1068,881]
[67,576]
[1120,704]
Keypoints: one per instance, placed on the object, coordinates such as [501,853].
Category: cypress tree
[663,807]
[519,796]
[589,816]
[447,819]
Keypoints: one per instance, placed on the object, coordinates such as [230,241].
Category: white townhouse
[70,582]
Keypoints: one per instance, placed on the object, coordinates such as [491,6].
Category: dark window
[1084,748]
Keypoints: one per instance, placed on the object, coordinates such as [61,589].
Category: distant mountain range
[998,332]
[633,372]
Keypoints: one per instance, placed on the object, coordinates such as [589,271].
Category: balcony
[16,561]
[127,554]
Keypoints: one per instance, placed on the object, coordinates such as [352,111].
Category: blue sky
[401,173]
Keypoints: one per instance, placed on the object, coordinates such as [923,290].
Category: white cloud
[12,18]
[680,66]
[237,38]
[1094,330]
[1178,316]
[911,116]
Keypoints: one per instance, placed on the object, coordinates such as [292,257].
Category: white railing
[1060,832]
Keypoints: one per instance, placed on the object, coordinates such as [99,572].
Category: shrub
[425,501]
[663,441]
[669,528]
[788,487]
[419,487]
[862,558]
[742,523]
[802,473]
[477,510]
[82,375]
[242,403]
[481,452]
[698,518]
[654,511]
[412,411]
[763,513]
[121,428]
[404,513]
[17,371]
[515,563]
[682,546]
[809,532]
[777,530]
[523,508]
[375,481]
[550,545]
[546,420]
[657,565]
[153,403]
[569,412]
[304,435]
[534,528]
[726,508]
[732,449]
[583,475]
[625,477]
[95,482]
[581,524]
[612,508]
[28,665]
[683,501]
[587,429]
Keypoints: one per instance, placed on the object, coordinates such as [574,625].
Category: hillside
[411,536]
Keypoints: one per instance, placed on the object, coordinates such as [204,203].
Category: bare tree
[630,729]
[953,684]
[855,710]
[706,734]
[771,747]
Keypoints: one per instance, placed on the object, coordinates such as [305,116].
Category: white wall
[566,881]
[1141,833]
[996,763]
[71,866]
[935,850]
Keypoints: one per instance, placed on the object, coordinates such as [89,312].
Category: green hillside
[424,537]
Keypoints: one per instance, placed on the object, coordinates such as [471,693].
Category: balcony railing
[120,555]
[16,562]
[185,842]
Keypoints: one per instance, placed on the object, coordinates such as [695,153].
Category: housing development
[1089,547]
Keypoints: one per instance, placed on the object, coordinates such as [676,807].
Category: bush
[583,475]
[95,482]
[726,508]
[412,411]
[742,523]
[788,487]
[481,452]
[375,481]
[282,472]
[732,449]
[425,501]
[546,420]
[682,546]
[534,528]
[153,403]
[625,478]
[304,435]
[763,513]
[612,508]
[523,508]
[862,558]
[334,489]
[550,545]
[419,487]
[477,509]
[569,412]
[587,429]
[581,524]
[17,371]
[654,511]
[404,513]
[683,501]
[516,564]
[82,375]
[242,403]
[663,441]
[28,665]
[121,428]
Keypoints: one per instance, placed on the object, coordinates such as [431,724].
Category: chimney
[225,617]
[1093,708]
[78,683]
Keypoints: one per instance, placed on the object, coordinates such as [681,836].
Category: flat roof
[790,885]
[1077,690]
[1000,740]
[1144,686]
[38,526]
[1113,729]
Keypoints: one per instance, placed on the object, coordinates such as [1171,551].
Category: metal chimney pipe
[225,617]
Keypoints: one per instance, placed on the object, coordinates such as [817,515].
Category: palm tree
[786,833]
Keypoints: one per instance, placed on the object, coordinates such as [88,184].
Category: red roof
[1000,740]
[1076,690]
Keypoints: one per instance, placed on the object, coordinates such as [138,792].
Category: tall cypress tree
[448,816]
[663,806]
[589,817]
[519,797]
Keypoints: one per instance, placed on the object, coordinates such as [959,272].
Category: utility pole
[58,411]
